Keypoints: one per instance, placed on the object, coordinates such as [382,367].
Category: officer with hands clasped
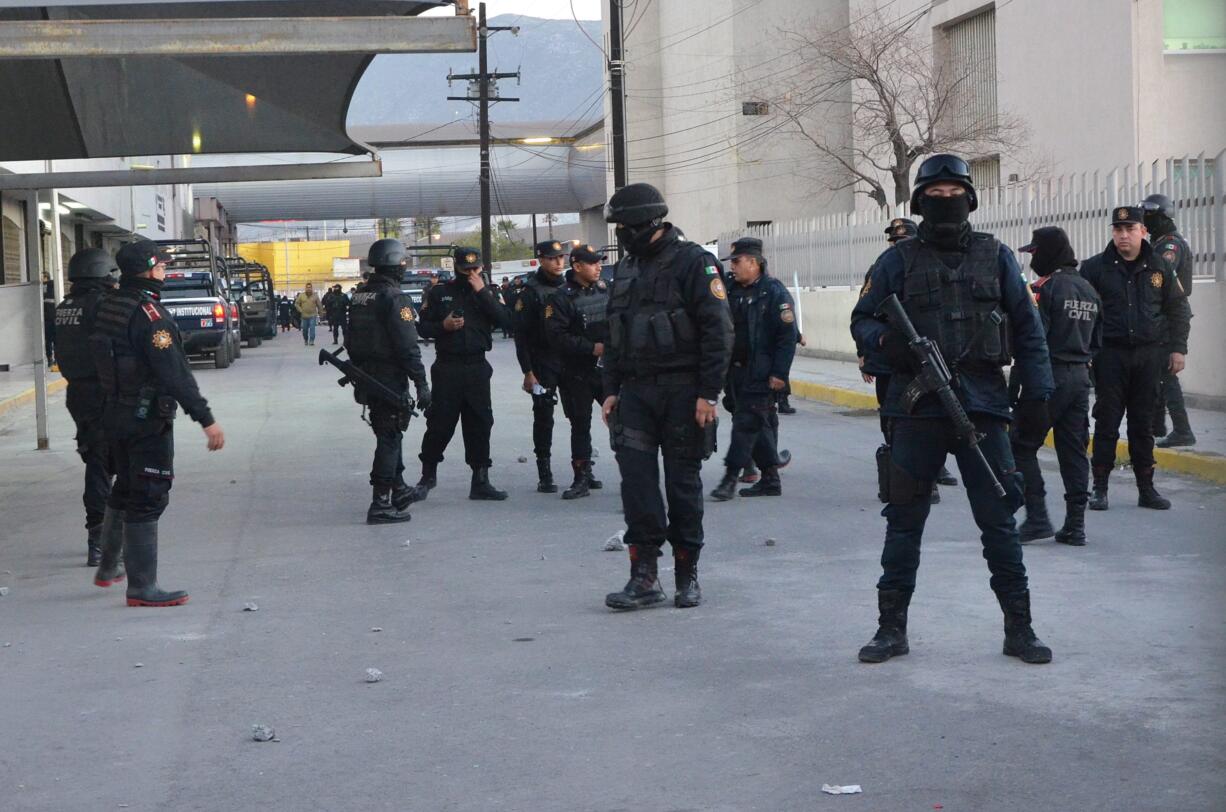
[578,329]
[670,339]
[1069,307]
[382,342]
[93,273]
[763,347]
[538,359]
[144,374]
[964,292]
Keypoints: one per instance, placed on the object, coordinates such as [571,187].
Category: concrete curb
[1211,467]
[17,401]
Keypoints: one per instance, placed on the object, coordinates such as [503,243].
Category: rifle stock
[371,386]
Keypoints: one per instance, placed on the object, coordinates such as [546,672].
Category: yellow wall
[307,262]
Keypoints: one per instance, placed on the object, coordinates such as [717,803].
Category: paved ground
[508,685]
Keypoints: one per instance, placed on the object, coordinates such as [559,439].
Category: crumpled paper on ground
[615,542]
[850,789]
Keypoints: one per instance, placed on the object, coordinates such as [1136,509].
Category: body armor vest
[591,306]
[648,322]
[543,294]
[120,372]
[959,308]
[74,321]
[367,339]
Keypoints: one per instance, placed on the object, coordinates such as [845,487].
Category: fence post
[1218,217]
[851,251]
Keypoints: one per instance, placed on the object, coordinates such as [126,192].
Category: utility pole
[483,82]
[534,240]
[617,94]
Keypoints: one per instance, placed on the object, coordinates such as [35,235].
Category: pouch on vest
[883,473]
[640,334]
[662,333]
[166,407]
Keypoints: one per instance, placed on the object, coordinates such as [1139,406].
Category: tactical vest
[543,294]
[960,309]
[120,371]
[74,321]
[648,322]
[367,338]
[591,306]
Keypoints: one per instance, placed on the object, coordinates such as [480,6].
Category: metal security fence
[837,250]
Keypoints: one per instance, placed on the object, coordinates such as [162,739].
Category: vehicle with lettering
[197,295]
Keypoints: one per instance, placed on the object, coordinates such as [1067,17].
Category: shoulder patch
[717,288]
[1170,255]
[711,270]
[162,340]
[406,314]
[787,316]
[151,311]
[868,285]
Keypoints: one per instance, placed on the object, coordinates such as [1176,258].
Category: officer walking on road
[460,315]
[963,291]
[578,329]
[763,346]
[382,342]
[1070,309]
[93,273]
[538,359]
[1146,319]
[670,340]
[144,374]
[1171,246]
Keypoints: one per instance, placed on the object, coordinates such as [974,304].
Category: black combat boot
[643,588]
[891,638]
[544,475]
[685,573]
[1098,500]
[785,406]
[110,542]
[1181,430]
[946,478]
[481,488]
[1147,496]
[581,487]
[93,555]
[726,489]
[140,555]
[592,482]
[934,497]
[429,479]
[1020,639]
[751,474]
[383,510]
[403,495]
[1038,523]
[1074,530]
[768,485]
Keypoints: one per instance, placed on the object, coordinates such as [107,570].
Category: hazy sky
[550,9]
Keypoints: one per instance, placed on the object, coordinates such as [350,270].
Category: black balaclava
[146,283]
[392,272]
[637,239]
[1158,224]
[945,221]
[1052,252]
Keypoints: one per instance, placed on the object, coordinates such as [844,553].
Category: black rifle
[372,387]
[933,378]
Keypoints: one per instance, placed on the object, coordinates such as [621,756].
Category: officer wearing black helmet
[1171,246]
[382,341]
[460,315]
[670,341]
[144,376]
[578,329]
[964,291]
[538,360]
[93,273]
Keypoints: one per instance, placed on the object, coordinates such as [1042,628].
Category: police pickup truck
[196,294]
[251,285]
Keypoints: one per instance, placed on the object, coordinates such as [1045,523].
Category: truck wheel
[237,348]
[221,358]
[253,342]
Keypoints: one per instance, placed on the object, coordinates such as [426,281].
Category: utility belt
[148,403]
[683,378]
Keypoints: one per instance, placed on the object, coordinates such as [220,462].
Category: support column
[34,275]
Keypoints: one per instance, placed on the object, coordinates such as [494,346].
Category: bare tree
[897,99]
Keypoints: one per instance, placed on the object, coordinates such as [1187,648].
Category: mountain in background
[562,77]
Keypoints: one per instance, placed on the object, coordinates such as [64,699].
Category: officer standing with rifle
[948,310]
[578,329]
[143,373]
[93,273]
[538,359]
[382,342]
[670,340]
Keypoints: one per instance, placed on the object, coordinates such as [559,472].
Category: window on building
[972,54]
[10,250]
[758,223]
[1193,25]
[985,172]
[755,108]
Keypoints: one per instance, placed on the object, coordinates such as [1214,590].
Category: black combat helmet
[635,204]
[1161,204]
[92,263]
[939,168]
[387,254]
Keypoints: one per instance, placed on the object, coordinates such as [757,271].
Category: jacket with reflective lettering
[382,336]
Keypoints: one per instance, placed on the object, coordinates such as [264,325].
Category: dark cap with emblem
[901,228]
[140,256]
[466,258]
[1127,214]
[586,253]
[745,247]
[550,248]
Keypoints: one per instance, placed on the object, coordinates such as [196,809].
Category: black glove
[424,397]
[1033,419]
[897,351]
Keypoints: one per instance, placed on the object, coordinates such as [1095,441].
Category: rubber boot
[643,588]
[592,482]
[1098,499]
[1038,523]
[785,406]
[685,574]
[1074,530]
[1020,639]
[891,638]
[1147,496]
[403,495]
[946,478]
[93,554]
[768,485]
[481,489]
[581,487]
[110,541]
[429,479]
[140,555]
[383,510]
[934,498]
[544,475]
[751,474]
[726,489]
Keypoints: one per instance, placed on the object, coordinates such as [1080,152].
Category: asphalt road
[508,685]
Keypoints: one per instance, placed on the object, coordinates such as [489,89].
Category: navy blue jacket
[874,362]
[772,331]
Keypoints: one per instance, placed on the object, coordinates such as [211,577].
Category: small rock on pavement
[615,542]
[139,665]
[407,543]
[373,675]
[770,542]
[250,607]
[523,459]
[376,628]
[263,733]
[4,590]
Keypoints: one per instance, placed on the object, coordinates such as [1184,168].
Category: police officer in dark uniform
[670,341]
[964,291]
[538,360]
[144,374]
[1171,246]
[92,273]
[460,315]
[382,342]
[1070,309]
[763,346]
[1146,319]
[578,329]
